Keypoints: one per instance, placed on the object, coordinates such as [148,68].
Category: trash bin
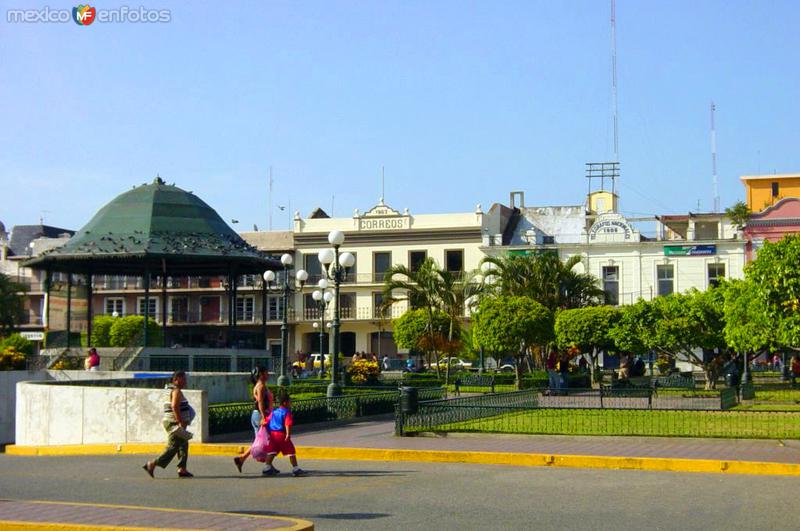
[409,400]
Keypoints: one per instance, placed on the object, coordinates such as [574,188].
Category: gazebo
[154,230]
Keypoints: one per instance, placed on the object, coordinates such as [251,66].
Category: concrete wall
[8,399]
[218,388]
[53,414]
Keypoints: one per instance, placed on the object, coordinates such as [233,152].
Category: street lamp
[288,288]
[323,298]
[335,265]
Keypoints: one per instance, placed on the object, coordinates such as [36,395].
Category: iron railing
[772,414]
[232,418]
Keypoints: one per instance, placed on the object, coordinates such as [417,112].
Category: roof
[155,225]
[270,241]
[318,213]
[772,177]
[22,236]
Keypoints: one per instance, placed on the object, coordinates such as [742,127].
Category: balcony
[358,313]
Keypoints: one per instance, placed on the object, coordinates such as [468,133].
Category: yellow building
[763,191]
[379,238]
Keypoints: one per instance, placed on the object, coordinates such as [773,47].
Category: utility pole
[714,181]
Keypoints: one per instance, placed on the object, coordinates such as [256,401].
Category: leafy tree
[677,325]
[512,324]
[588,329]
[545,279]
[748,327]
[434,290]
[127,331]
[739,214]
[12,306]
[101,330]
[11,359]
[775,275]
[413,330]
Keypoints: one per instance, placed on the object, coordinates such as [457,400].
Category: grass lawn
[733,424]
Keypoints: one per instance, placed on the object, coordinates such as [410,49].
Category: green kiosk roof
[155,226]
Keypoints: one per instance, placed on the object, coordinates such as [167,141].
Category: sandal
[185,474]
[149,470]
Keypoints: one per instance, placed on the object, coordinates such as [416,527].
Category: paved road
[383,495]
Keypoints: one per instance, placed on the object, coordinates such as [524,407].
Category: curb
[659,464]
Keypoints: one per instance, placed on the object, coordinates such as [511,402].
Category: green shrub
[101,330]
[19,343]
[11,359]
[125,331]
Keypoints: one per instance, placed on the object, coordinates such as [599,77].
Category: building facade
[380,238]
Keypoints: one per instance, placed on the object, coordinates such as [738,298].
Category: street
[389,495]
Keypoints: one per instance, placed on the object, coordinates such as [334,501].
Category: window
[247,281]
[179,309]
[381,262]
[274,308]
[114,282]
[415,259]
[350,272]
[378,311]
[548,240]
[611,284]
[775,189]
[152,311]
[310,307]
[115,305]
[716,272]
[245,308]
[348,305]
[313,267]
[454,260]
[665,275]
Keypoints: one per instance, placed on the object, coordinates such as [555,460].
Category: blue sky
[462,102]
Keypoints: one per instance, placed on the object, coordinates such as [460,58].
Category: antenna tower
[614,77]
[714,158]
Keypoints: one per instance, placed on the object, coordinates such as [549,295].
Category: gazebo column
[47,283]
[264,312]
[69,310]
[229,324]
[234,293]
[146,303]
[89,313]
[163,303]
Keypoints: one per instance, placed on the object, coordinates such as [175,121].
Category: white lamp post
[288,288]
[334,269]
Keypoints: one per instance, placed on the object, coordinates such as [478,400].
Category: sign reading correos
[383,217]
[690,250]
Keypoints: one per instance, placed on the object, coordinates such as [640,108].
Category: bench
[477,380]
[673,381]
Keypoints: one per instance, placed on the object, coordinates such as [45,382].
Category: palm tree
[544,278]
[420,288]
[435,290]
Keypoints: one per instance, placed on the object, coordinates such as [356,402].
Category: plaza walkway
[64,515]
[379,434]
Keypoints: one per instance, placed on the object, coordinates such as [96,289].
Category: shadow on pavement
[329,516]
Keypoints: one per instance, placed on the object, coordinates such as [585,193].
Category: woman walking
[262,408]
[177,415]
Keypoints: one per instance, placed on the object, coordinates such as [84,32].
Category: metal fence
[235,417]
[771,413]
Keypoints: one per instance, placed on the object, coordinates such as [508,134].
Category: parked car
[316,360]
[455,363]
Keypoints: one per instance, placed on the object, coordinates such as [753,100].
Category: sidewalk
[380,435]
[374,440]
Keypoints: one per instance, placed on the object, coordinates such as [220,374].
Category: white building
[685,252]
